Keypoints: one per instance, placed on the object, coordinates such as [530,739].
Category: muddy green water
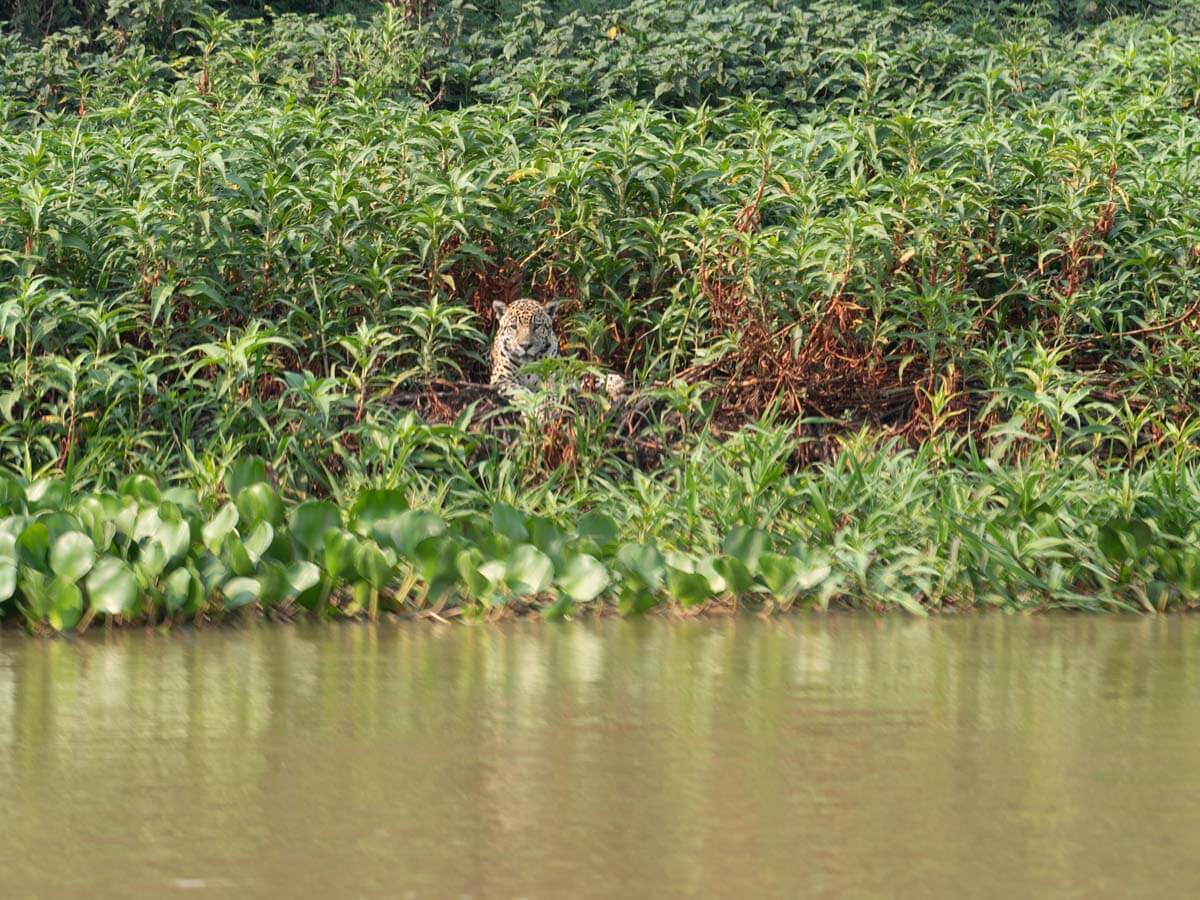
[836,757]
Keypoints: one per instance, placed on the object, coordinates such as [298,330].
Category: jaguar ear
[552,307]
[498,307]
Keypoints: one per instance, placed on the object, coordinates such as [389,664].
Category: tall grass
[828,242]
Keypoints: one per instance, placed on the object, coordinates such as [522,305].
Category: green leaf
[64,604]
[33,545]
[176,589]
[72,556]
[259,540]
[598,527]
[733,571]
[339,553]
[746,545]
[247,470]
[645,562]
[215,531]
[376,513]
[303,575]
[373,564]
[259,503]
[530,571]
[415,526]
[584,579]
[510,523]
[8,580]
[688,588]
[241,591]
[140,488]
[111,586]
[310,521]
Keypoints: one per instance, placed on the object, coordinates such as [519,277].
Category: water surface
[817,757]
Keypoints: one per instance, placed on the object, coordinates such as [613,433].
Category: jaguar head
[526,329]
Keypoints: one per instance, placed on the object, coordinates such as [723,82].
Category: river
[837,756]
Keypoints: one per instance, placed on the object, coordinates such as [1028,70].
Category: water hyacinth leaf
[60,523]
[584,578]
[175,539]
[147,524]
[495,572]
[468,563]
[8,580]
[247,470]
[259,540]
[46,493]
[151,561]
[376,513]
[372,564]
[716,581]
[310,521]
[8,547]
[33,545]
[97,515]
[111,586]
[645,562]
[733,571]
[634,600]
[510,523]
[219,527]
[435,557]
[177,589]
[239,559]
[415,526]
[273,584]
[746,545]
[72,555]
[302,576]
[241,592]
[779,574]
[339,553]
[64,604]
[257,503]
[530,571]
[688,588]
[598,527]
[140,488]
[548,537]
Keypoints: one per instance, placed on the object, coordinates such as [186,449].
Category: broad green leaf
[8,580]
[510,523]
[584,578]
[688,588]
[219,527]
[259,503]
[64,604]
[72,555]
[598,527]
[645,562]
[177,589]
[530,571]
[241,591]
[310,521]
[247,470]
[111,586]
[746,545]
[140,488]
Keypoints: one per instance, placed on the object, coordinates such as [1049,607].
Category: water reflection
[826,757]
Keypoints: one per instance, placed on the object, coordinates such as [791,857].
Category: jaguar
[525,334]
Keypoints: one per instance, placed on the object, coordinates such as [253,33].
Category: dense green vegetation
[908,296]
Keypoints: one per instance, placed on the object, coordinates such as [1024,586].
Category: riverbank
[884,529]
[908,298]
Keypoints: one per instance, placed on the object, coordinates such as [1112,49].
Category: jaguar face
[526,330]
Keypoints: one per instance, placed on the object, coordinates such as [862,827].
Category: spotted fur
[525,334]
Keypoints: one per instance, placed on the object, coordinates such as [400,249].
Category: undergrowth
[865,264]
